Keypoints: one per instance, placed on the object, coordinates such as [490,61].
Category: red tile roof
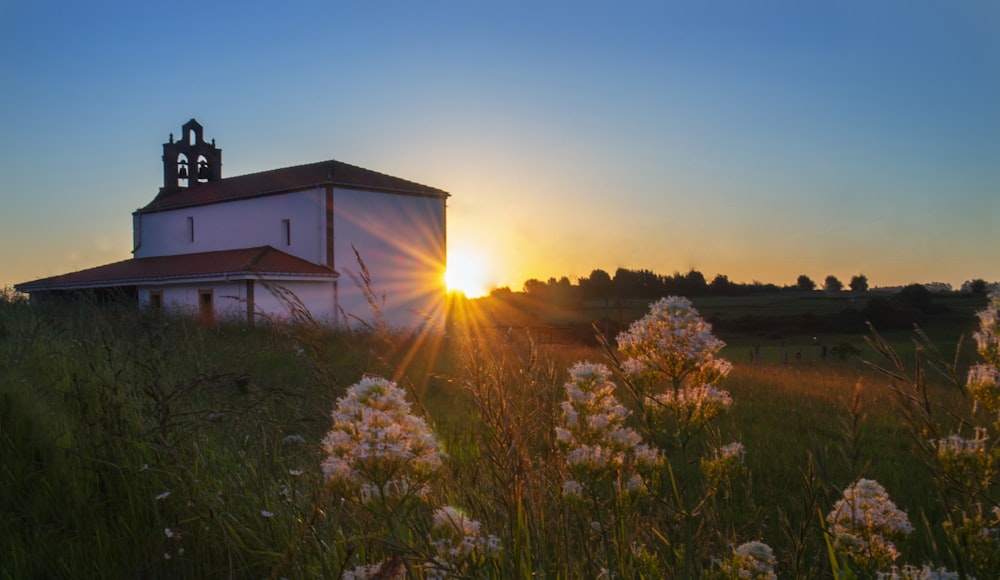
[263,261]
[284,180]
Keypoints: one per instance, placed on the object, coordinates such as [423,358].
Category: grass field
[155,448]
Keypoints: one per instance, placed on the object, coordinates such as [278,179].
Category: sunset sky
[761,140]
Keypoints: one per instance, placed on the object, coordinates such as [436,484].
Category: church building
[265,244]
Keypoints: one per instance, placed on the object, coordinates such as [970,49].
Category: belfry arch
[190,161]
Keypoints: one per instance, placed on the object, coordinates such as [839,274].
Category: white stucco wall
[229,299]
[239,224]
[402,241]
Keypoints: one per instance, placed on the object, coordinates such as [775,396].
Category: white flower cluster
[984,379]
[955,444]
[925,572]
[988,335]
[864,518]
[377,446]
[459,536]
[675,343]
[983,384]
[734,450]
[752,560]
[693,405]
[725,463]
[382,571]
[593,434]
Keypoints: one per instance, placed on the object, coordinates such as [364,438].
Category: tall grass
[135,446]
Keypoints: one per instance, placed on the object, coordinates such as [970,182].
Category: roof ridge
[330,175]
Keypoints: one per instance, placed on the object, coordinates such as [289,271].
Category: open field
[154,448]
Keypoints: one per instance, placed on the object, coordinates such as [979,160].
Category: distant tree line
[897,309]
[889,309]
[646,284]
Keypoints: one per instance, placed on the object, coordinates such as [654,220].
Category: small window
[286,231]
[190,223]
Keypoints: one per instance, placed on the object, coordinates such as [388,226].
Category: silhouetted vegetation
[566,312]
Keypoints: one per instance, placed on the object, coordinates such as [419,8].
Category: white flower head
[865,518]
[752,560]
[457,538]
[597,444]
[673,342]
[394,570]
[377,445]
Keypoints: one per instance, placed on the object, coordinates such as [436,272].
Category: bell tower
[190,161]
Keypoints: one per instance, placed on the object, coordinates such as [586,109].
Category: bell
[203,172]
[182,172]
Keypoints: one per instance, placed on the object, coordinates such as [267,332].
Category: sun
[467,273]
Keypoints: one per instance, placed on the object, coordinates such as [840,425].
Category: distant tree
[598,285]
[976,286]
[859,283]
[805,283]
[535,287]
[501,293]
[915,296]
[832,284]
[721,285]
[561,292]
[692,284]
[637,284]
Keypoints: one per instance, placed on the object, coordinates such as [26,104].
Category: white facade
[400,238]
[291,222]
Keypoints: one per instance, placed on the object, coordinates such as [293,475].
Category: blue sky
[761,140]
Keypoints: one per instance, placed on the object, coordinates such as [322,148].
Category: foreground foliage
[141,447]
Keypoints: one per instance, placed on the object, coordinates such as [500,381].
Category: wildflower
[752,560]
[598,445]
[673,342]
[170,534]
[988,335]
[267,514]
[956,444]
[693,406]
[967,461]
[460,544]
[459,535]
[295,472]
[387,570]
[571,487]
[862,521]
[163,496]
[724,464]
[983,384]
[377,446]
[925,572]
[293,440]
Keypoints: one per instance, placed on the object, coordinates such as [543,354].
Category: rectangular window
[286,231]
[190,221]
